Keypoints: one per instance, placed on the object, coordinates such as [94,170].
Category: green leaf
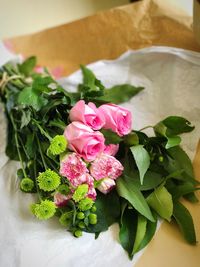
[182,159]
[142,160]
[180,190]
[88,77]
[140,234]
[161,201]
[25,119]
[120,93]
[171,127]
[150,231]
[151,180]
[185,222]
[127,190]
[40,84]
[29,97]
[128,230]
[28,65]
[172,141]
[111,137]
[108,211]
[177,125]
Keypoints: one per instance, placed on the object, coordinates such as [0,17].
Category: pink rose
[87,114]
[73,167]
[117,119]
[106,166]
[84,141]
[111,149]
[106,185]
[61,200]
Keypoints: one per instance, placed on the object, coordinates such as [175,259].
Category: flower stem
[35,174]
[147,127]
[42,130]
[17,145]
[41,154]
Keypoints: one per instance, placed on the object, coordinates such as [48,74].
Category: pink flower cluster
[88,145]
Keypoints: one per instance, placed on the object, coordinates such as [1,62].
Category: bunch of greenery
[157,172]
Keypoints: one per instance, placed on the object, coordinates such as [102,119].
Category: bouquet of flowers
[87,167]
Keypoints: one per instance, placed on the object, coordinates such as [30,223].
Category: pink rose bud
[73,168]
[84,141]
[61,200]
[106,166]
[111,149]
[106,185]
[89,115]
[117,119]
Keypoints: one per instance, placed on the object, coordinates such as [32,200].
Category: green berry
[92,218]
[94,208]
[80,215]
[48,180]
[78,233]
[161,158]
[26,184]
[81,225]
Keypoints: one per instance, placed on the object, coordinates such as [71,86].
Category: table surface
[18,17]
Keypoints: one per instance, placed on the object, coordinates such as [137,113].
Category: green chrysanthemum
[26,184]
[45,210]
[80,192]
[32,208]
[85,204]
[48,180]
[58,145]
[63,189]
[65,218]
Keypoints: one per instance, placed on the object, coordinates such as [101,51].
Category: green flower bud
[80,192]
[26,184]
[65,218]
[131,139]
[63,189]
[85,204]
[92,218]
[80,215]
[94,208]
[81,225]
[58,145]
[48,180]
[45,210]
[78,233]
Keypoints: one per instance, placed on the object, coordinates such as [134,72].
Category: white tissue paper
[171,78]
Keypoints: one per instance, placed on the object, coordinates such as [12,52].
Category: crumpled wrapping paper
[108,34]
[171,80]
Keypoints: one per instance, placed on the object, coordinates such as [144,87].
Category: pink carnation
[61,200]
[106,185]
[106,166]
[73,168]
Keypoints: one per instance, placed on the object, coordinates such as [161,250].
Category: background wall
[19,17]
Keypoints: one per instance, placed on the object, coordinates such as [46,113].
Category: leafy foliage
[157,171]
